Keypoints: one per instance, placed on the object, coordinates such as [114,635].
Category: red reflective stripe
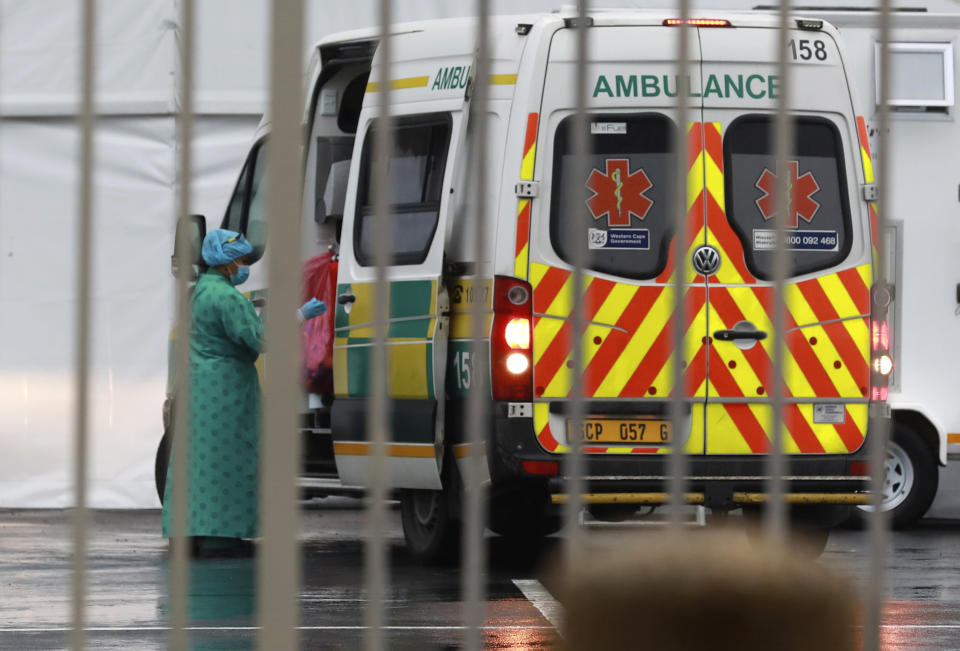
[799,346]
[748,427]
[694,143]
[732,246]
[609,351]
[651,365]
[523,228]
[530,138]
[713,143]
[553,357]
[841,339]
[849,433]
[862,134]
[559,348]
[696,372]
[747,424]
[548,288]
[857,289]
[660,350]
[813,368]
[546,438]
[597,292]
[801,432]
[694,227]
[729,311]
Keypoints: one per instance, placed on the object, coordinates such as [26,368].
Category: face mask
[240,277]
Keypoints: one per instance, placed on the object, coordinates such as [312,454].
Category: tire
[524,512]
[161,463]
[911,479]
[429,527]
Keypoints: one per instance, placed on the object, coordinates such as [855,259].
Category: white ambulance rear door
[828,240]
[619,209]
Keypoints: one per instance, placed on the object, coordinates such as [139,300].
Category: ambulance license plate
[622,431]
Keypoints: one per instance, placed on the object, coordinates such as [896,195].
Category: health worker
[226,338]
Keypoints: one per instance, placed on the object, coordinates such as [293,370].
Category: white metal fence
[278,558]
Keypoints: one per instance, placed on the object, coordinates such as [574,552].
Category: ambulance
[540,207]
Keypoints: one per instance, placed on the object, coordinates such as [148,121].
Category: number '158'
[805,49]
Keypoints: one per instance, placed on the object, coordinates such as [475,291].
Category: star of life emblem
[801,191]
[618,194]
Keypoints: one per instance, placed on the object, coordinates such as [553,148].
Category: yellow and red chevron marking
[628,342]
[823,360]
[720,235]
[827,343]
[522,250]
[695,207]
[868,177]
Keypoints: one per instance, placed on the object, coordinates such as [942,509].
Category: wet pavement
[127,606]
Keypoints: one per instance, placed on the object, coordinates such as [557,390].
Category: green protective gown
[226,337]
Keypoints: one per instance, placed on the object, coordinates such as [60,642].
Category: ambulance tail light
[881,361]
[697,22]
[511,339]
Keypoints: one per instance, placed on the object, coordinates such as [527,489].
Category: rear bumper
[514,442]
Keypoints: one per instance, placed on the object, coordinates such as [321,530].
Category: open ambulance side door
[426,146]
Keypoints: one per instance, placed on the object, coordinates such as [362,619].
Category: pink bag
[320,281]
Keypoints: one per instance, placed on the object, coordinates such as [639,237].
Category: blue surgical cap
[221,247]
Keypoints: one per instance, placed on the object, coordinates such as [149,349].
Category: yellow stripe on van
[503,80]
[405,450]
[400,84]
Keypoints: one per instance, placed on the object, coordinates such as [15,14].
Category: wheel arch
[926,426]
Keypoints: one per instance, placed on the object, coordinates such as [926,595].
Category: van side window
[415,178]
[818,221]
[233,220]
[255,225]
[620,202]
[247,211]
[330,184]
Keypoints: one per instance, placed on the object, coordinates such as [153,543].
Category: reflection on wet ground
[128,606]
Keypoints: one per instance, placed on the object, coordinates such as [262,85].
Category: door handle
[344,299]
[732,335]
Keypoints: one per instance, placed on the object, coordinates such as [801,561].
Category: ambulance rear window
[619,203]
[415,179]
[818,221]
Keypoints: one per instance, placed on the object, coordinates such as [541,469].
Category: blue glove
[312,308]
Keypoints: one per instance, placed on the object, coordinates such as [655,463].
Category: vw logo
[706,260]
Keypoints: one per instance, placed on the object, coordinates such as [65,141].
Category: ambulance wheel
[160,464]
[910,481]
[431,532]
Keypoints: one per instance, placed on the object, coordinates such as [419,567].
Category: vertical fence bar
[375,576]
[82,341]
[678,460]
[279,560]
[184,271]
[474,549]
[575,462]
[878,425]
[775,520]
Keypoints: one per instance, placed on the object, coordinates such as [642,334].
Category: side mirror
[193,227]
